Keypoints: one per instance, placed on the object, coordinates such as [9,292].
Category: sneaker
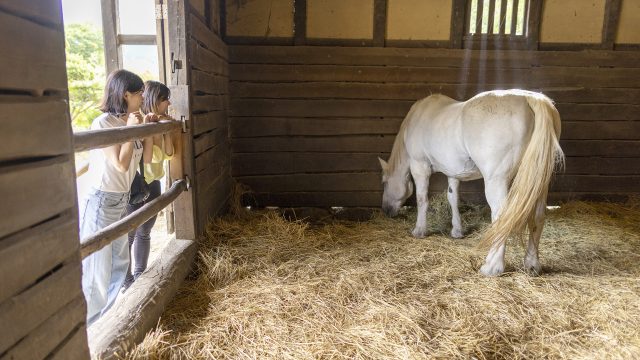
[127,282]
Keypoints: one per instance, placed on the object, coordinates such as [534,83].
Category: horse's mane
[399,153]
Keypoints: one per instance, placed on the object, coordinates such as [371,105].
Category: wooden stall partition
[182,165]
[209,79]
[308,123]
[42,309]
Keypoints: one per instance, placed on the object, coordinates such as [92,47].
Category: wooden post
[379,22]
[223,19]
[610,23]
[533,24]
[182,165]
[458,16]
[300,22]
[492,12]
[112,52]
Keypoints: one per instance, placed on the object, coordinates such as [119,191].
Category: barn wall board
[209,94]
[41,304]
[308,123]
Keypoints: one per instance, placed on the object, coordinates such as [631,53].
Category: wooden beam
[223,19]
[133,315]
[300,22]
[503,16]
[112,53]
[610,23]
[93,139]
[105,236]
[479,15]
[533,23]
[136,39]
[379,22]
[514,17]
[458,20]
[492,11]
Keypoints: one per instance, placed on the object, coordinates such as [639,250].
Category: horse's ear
[383,164]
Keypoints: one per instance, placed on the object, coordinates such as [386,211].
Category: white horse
[509,138]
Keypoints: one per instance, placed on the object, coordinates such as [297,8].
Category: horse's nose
[388,211]
[385,210]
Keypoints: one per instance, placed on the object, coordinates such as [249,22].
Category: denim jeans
[140,238]
[104,271]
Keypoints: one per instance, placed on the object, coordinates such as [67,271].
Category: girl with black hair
[111,171]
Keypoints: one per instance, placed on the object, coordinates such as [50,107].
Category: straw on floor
[267,288]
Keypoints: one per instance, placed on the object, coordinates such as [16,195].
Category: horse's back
[497,126]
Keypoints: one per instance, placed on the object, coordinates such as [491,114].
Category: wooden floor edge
[138,311]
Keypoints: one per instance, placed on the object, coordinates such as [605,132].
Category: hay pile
[268,288]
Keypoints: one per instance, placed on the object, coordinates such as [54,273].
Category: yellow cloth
[155,170]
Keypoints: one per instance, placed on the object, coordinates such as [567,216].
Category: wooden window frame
[461,38]
[113,39]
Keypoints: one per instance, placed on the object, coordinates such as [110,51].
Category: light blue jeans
[104,271]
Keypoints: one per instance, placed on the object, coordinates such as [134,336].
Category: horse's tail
[531,182]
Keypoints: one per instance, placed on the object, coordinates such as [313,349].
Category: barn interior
[283,108]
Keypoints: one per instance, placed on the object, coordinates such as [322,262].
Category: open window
[501,24]
[133,34]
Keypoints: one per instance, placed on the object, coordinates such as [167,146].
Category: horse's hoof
[532,267]
[456,234]
[489,270]
[419,233]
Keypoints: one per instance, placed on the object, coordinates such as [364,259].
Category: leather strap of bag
[142,166]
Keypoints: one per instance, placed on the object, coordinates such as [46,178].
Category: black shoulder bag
[139,187]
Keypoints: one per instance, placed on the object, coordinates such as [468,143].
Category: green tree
[85,72]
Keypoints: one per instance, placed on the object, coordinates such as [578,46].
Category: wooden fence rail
[93,139]
[106,235]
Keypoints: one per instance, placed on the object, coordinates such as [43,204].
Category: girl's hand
[151,117]
[135,118]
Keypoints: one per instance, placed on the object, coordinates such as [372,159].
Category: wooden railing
[94,139]
[106,235]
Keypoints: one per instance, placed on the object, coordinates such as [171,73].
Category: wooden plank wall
[307,123]
[42,308]
[209,106]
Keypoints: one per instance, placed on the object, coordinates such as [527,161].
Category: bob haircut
[155,92]
[119,82]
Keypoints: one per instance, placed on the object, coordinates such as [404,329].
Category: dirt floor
[270,288]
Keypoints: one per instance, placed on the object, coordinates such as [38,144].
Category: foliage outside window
[85,72]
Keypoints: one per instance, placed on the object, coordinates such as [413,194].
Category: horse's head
[397,189]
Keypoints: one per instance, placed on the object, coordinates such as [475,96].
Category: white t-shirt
[102,174]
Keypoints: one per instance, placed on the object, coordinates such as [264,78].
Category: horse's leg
[421,174]
[496,192]
[536,223]
[452,195]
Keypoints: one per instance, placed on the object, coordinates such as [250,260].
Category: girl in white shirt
[111,171]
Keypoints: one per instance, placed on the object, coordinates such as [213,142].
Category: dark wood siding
[307,123]
[209,90]
[42,309]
